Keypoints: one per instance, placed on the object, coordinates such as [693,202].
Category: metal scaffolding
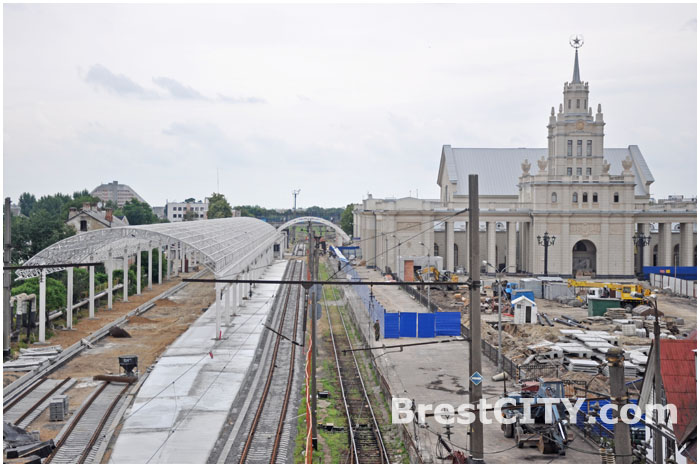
[225,246]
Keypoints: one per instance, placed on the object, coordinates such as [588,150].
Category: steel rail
[290,380]
[101,425]
[351,434]
[40,401]
[26,384]
[76,420]
[21,396]
[268,382]
[375,425]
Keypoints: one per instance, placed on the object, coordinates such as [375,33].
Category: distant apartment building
[116,192]
[176,212]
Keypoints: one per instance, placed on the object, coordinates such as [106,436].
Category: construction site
[541,309]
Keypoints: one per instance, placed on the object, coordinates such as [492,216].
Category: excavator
[630,295]
[433,274]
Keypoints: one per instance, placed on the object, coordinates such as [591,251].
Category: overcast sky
[336,100]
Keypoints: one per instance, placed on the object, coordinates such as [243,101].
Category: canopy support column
[217,307]
[42,306]
[139,271]
[69,299]
[109,266]
[91,284]
[125,278]
[150,267]
[160,265]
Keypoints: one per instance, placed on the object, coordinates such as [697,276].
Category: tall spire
[577,78]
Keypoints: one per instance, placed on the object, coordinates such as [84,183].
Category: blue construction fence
[688,273]
[375,309]
[600,429]
[405,324]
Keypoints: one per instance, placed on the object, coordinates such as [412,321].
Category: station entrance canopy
[315,220]
[226,246]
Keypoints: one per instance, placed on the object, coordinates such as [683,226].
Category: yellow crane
[629,294]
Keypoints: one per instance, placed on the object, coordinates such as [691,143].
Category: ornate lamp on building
[546,240]
[640,241]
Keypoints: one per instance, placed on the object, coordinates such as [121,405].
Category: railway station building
[593,199]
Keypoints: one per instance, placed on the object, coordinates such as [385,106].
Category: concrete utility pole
[313,276]
[7,281]
[476,444]
[658,438]
[618,395]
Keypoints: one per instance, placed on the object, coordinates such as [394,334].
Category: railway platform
[181,407]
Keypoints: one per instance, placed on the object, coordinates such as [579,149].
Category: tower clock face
[579,125]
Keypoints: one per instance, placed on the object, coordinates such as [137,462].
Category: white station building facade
[591,198]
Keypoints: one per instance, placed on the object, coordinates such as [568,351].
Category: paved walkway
[438,373]
[181,407]
[386,294]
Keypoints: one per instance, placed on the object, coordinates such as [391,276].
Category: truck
[550,437]
[630,295]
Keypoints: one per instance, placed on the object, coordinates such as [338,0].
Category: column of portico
[647,249]
[491,244]
[628,243]
[563,248]
[686,248]
[450,245]
[511,260]
[665,255]
[603,253]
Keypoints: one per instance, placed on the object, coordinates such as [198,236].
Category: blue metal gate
[391,325]
[426,325]
[407,322]
[447,323]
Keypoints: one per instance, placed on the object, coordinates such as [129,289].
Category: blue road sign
[476,378]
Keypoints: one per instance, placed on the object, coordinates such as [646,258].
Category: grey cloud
[690,25]
[116,83]
[177,89]
[241,100]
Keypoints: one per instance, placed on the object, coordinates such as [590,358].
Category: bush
[55,292]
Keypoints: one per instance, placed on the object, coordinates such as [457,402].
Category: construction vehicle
[630,295]
[433,274]
[548,437]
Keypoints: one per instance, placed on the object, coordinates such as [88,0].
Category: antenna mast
[295,193]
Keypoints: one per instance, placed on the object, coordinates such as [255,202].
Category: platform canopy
[226,246]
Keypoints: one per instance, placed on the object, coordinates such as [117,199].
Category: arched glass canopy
[226,246]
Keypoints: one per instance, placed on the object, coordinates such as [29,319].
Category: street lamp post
[546,240]
[640,241]
[499,278]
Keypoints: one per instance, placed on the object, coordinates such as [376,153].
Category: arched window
[595,197]
[436,250]
[574,198]
[616,197]
[554,197]
[584,197]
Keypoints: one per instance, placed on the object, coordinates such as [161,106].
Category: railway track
[267,435]
[78,441]
[16,391]
[365,441]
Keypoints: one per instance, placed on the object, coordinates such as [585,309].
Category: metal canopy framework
[226,246]
[315,220]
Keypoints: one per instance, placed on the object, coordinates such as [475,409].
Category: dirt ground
[151,333]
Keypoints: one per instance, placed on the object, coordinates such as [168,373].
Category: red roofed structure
[679,383]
